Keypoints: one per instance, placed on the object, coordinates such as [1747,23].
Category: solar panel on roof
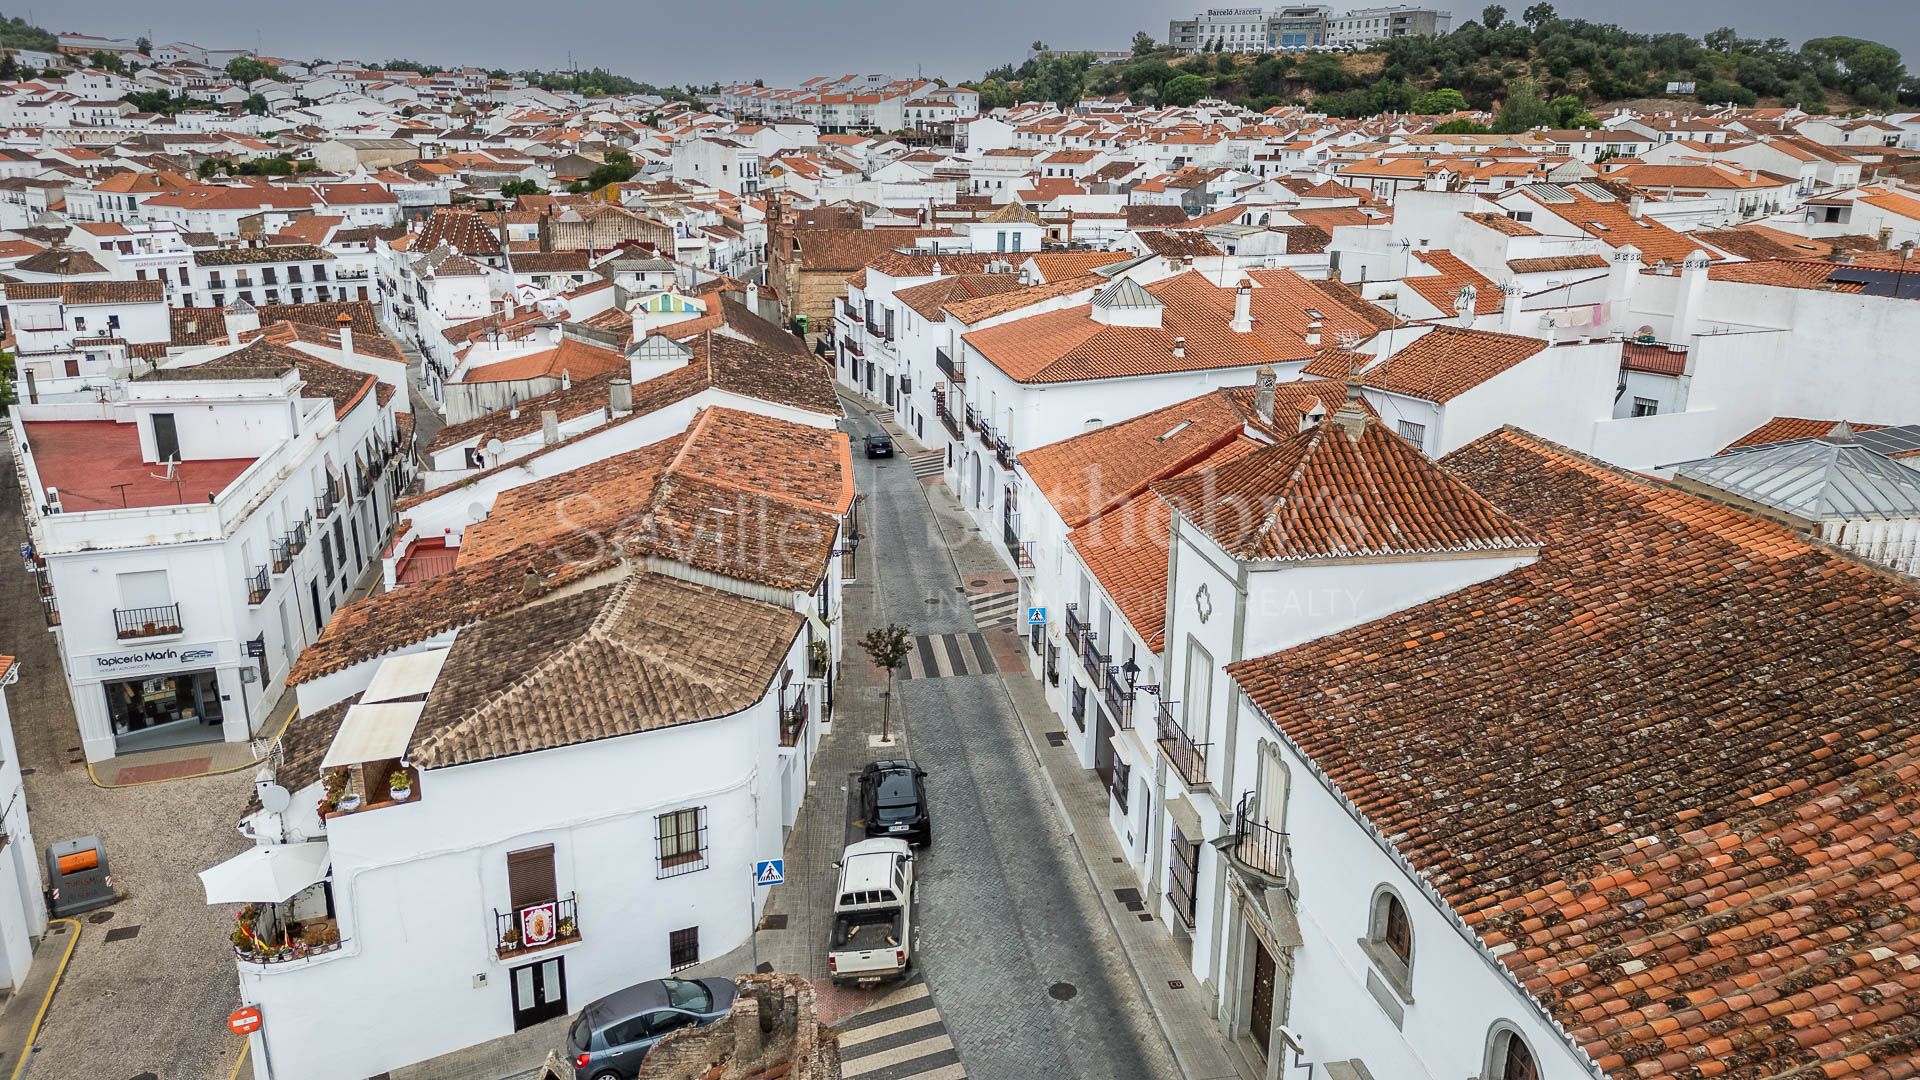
[1551,193]
[1890,441]
[1594,192]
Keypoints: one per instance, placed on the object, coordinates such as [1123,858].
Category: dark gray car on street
[611,1036]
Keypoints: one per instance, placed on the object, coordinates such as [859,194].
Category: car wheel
[608,1076]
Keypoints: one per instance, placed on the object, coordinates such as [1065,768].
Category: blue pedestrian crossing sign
[1036,616]
[770,871]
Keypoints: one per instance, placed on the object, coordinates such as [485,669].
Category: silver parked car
[611,1036]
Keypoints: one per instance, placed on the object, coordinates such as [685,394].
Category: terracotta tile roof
[1760,242]
[466,231]
[1503,224]
[599,495]
[1785,428]
[1176,243]
[1071,345]
[385,622]
[1654,359]
[1448,361]
[263,359]
[1088,474]
[1324,494]
[208,325]
[1612,223]
[719,362]
[1728,890]
[645,653]
[981,308]
[929,300]
[1146,215]
[250,256]
[1305,239]
[1557,264]
[1786,274]
[851,249]
[573,357]
[1443,288]
[89,292]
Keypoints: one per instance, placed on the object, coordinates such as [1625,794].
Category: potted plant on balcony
[566,929]
[510,939]
[400,785]
[817,658]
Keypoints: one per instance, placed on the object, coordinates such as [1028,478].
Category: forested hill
[1589,63]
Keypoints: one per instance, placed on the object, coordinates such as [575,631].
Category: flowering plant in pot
[400,785]
[510,939]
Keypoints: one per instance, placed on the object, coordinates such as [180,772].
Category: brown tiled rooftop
[1329,493]
[1665,772]
[645,653]
[1448,361]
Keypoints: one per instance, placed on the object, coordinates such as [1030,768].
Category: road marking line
[876,1062]
[901,996]
[924,1018]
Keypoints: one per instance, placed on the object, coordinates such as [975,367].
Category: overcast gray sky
[722,40]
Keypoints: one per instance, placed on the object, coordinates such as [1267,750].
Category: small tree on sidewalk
[887,647]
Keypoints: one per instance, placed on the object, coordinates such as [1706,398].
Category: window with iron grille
[683,948]
[682,839]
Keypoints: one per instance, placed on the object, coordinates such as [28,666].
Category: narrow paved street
[152,980]
[1021,960]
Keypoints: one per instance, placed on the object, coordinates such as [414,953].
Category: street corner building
[544,772]
[193,530]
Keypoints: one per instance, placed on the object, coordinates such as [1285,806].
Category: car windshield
[896,789]
[683,994]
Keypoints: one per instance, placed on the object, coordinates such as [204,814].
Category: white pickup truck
[873,913]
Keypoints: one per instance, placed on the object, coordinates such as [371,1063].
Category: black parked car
[879,446]
[611,1036]
[893,801]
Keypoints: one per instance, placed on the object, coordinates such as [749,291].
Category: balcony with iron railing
[1074,626]
[259,584]
[793,722]
[160,620]
[296,538]
[1119,697]
[1023,559]
[973,418]
[536,927]
[1091,656]
[987,435]
[1187,757]
[1256,850]
[953,370]
[943,408]
[282,556]
[1053,664]
[850,312]
[1003,453]
[1010,534]
[1079,707]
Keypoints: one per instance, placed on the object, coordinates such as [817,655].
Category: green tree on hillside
[1143,43]
[1439,102]
[1525,110]
[246,69]
[1493,16]
[1185,90]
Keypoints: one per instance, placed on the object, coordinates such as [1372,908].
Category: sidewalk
[1184,1014]
[27,1006]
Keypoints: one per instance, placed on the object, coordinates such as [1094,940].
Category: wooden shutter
[530,876]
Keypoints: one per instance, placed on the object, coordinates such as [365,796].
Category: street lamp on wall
[1132,671]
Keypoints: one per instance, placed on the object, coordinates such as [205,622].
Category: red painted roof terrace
[96,465]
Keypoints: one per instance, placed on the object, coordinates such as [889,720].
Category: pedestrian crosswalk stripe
[941,656]
[872,1063]
[994,608]
[900,1037]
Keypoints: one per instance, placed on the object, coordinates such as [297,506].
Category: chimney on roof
[620,396]
[345,323]
[1243,309]
[1180,348]
[549,427]
[530,584]
[1352,415]
[1264,381]
[1636,206]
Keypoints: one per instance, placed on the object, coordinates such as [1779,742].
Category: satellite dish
[274,798]
[495,448]
[476,512]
